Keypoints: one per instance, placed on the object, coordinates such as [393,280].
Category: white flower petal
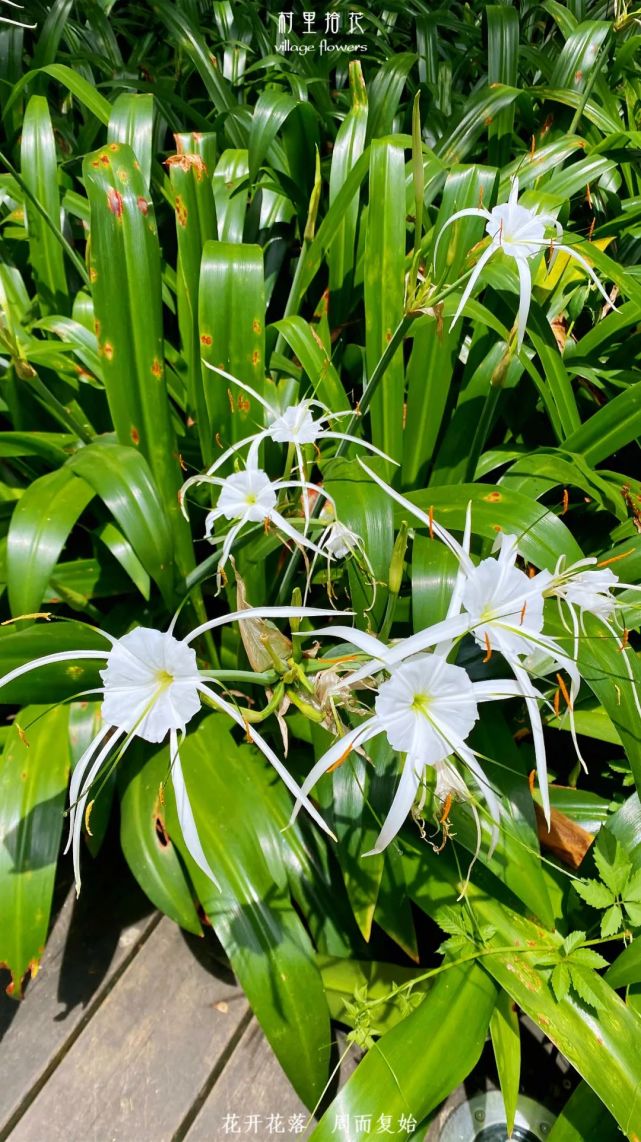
[406,791]
[185,813]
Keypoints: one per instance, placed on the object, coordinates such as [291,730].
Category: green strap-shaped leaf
[584,1116]
[543,537]
[429,378]
[187,33]
[33,782]
[40,172]
[38,531]
[231,172]
[384,271]
[49,683]
[310,351]
[580,51]
[585,1036]
[231,303]
[413,1067]
[145,841]
[364,507]
[122,479]
[268,947]
[189,172]
[132,122]
[506,1041]
[126,288]
[349,145]
[270,112]
[502,67]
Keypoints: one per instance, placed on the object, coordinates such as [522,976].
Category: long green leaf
[261,933]
[33,781]
[40,172]
[122,479]
[40,526]
[127,301]
[384,270]
[145,842]
[413,1067]
[231,302]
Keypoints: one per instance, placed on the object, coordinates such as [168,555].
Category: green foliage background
[174,190]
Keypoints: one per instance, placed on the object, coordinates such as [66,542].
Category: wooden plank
[92,942]
[254,1097]
[143,1059]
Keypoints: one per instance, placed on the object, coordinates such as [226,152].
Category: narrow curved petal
[241,384]
[228,543]
[365,642]
[423,640]
[295,536]
[316,488]
[267,752]
[525,298]
[443,534]
[476,273]
[264,613]
[588,269]
[486,790]
[363,443]
[185,812]
[406,791]
[537,734]
[59,656]
[470,212]
[341,748]
[456,598]
[229,452]
[78,810]
[78,774]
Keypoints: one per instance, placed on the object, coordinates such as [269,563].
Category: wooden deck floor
[133,1032]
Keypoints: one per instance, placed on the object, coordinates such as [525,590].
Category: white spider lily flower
[586,587]
[426,709]
[520,233]
[338,541]
[151,689]
[496,603]
[250,496]
[293,426]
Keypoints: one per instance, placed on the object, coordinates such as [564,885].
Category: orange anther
[564,690]
[488,647]
[342,758]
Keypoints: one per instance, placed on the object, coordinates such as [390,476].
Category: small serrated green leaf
[572,941]
[633,910]
[611,920]
[594,892]
[588,958]
[560,981]
[632,890]
[583,985]
[613,866]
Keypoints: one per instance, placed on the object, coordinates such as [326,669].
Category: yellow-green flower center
[421,704]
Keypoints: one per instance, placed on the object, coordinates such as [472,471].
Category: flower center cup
[425,704]
[150,684]
[247,495]
[516,230]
